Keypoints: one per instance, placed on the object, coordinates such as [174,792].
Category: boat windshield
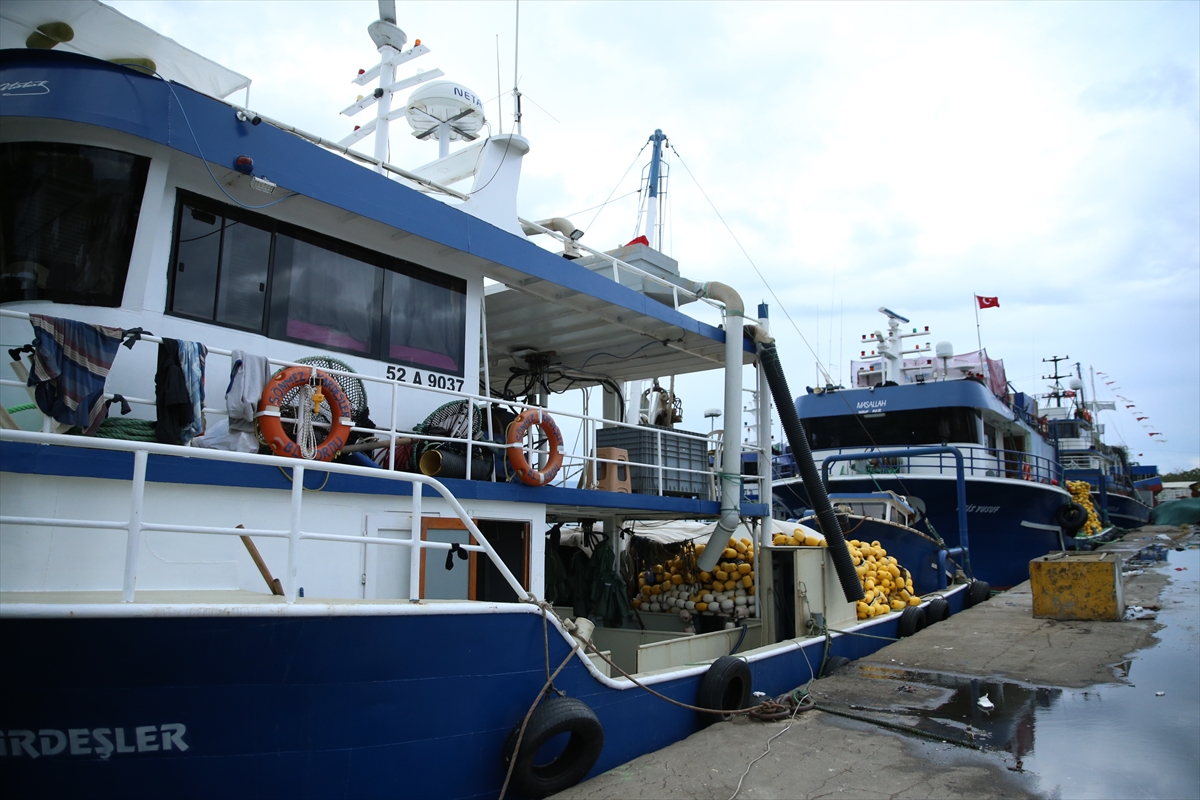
[894,428]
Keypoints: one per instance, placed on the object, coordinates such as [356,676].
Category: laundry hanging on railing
[191,358]
[70,363]
[179,391]
[247,378]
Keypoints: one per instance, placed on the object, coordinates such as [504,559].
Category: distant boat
[917,396]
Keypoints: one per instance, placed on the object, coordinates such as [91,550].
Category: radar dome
[944,350]
[1076,384]
[449,102]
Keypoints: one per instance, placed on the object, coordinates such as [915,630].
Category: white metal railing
[389,436]
[135,525]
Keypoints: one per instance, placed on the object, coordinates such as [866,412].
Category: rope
[306,437]
[22,407]
[899,728]
[132,430]
[283,472]
[512,762]
[803,703]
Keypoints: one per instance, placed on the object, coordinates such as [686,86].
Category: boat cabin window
[68,215]
[893,428]
[245,271]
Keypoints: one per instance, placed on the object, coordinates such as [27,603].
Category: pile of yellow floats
[1081,492]
[678,585]
[888,586]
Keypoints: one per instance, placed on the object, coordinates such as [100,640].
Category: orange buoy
[516,452]
[271,424]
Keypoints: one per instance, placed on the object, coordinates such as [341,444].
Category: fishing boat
[284,451]
[962,412]
[1122,491]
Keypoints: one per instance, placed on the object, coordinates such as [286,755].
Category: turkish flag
[987,302]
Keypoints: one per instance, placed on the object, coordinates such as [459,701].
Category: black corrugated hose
[794,430]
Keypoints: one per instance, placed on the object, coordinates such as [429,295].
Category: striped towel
[70,365]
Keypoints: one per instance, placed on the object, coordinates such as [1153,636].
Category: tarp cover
[1177,512]
[105,33]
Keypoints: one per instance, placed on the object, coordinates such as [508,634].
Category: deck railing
[294,533]
[575,465]
[978,461]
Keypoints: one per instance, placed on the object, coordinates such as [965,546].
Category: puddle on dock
[1133,740]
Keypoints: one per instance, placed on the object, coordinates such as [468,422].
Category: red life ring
[516,451]
[271,425]
[1026,472]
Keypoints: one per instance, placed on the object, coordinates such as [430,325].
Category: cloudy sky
[908,155]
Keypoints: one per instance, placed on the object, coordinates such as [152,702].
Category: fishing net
[452,420]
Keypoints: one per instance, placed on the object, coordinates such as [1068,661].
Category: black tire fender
[977,592]
[912,620]
[725,687]
[938,611]
[556,716]
[833,664]
[1071,517]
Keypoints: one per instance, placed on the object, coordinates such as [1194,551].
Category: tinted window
[246,271]
[894,428]
[220,269]
[68,215]
[425,324]
[325,298]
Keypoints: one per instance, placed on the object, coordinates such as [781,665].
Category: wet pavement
[1078,709]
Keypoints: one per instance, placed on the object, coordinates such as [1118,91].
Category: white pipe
[764,475]
[731,466]
[560,224]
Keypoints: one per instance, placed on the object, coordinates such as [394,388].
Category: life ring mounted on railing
[326,389]
[1027,472]
[516,447]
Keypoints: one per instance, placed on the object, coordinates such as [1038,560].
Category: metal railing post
[134,537]
[414,550]
[294,532]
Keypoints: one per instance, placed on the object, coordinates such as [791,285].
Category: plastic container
[681,453]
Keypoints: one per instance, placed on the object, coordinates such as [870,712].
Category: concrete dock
[881,728]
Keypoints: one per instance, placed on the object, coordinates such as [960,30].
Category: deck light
[244,165]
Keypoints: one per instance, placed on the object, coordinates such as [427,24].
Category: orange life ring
[516,451]
[271,424]
[1026,472]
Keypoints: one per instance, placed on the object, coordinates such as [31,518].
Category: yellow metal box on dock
[1077,586]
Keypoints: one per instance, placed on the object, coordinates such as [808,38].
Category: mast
[1057,393]
[652,202]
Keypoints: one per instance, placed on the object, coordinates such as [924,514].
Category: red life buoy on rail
[1026,472]
[271,424]
[516,450]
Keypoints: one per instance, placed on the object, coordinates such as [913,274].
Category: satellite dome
[1076,384]
[449,102]
[944,350]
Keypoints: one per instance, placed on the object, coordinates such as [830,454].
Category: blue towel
[70,365]
[191,360]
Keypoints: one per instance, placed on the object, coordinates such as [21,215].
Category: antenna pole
[1057,394]
[516,76]
[652,202]
[499,91]
[978,335]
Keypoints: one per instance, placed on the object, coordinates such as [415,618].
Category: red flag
[987,302]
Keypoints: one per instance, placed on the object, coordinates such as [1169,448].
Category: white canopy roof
[105,33]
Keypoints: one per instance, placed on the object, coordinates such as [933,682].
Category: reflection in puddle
[1130,740]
